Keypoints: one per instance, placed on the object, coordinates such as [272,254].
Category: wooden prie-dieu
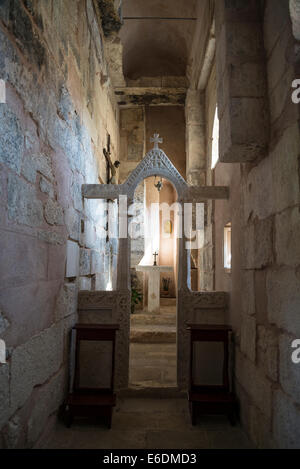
[206,400]
[92,402]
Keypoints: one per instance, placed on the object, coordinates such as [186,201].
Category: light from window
[227,247]
[215,141]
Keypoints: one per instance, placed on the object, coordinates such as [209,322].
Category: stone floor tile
[176,439]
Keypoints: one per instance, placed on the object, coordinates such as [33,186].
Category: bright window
[227,247]
[215,141]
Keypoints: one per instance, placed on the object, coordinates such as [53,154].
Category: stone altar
[154,284]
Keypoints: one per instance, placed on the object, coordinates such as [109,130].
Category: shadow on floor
[144,423]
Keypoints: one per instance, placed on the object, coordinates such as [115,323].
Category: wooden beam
[154,96]
[141,90]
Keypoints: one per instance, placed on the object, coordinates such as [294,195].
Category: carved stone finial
[156,140]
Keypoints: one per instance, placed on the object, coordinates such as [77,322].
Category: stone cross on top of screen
[156,140]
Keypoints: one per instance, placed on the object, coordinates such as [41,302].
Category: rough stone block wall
[53,127]
[241,92]
[132,151]
[264,210]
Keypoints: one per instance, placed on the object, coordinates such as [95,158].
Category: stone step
[168,302]
[143,391]
[153,319]
[153,334]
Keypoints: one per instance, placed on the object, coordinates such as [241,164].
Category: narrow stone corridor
[149,150]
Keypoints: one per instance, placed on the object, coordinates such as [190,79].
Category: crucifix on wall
[111,171]
[111,168]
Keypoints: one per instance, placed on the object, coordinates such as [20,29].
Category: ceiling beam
[157,18]
[151,96]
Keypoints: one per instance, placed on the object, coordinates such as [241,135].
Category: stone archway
[156,163]
[191,306]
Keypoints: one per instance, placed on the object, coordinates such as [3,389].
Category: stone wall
[132,151]
[199,109]
[169,121]
[242,89]
[59,109]
[264,211]
[137,126]
[206,255]
[132,140]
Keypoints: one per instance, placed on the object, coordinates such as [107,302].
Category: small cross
[156,140]
[155,256]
